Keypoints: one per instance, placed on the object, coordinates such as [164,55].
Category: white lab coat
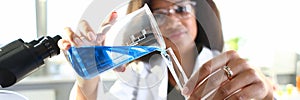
[11,95]
[120,90]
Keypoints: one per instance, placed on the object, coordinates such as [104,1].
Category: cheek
[191,25]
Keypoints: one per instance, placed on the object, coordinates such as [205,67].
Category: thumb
[106,25]
[63,44]
[112,18]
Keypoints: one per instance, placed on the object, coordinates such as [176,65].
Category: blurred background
[266,32]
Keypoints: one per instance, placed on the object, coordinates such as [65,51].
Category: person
[223,75]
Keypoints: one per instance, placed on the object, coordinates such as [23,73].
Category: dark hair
[212,40]
[202,37]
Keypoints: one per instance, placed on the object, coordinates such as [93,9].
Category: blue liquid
[92,60]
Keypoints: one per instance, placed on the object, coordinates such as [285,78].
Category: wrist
[83,83]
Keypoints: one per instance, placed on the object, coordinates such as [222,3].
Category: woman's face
[176,25]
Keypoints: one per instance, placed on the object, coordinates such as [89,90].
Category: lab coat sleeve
[122,91]
[11,95]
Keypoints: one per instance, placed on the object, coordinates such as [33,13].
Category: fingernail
[91,35]
[185,91]
[114,13]
[66,45]
[112,16]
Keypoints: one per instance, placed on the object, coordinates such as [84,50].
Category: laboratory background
[265,32]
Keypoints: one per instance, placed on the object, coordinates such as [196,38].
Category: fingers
[86,35]
[120,69]
[259,88]
[245,78]
[64,44]
[208,68]
[86,31]
[71,35]
[106,25]
[100,39]
[256,91]
[209,85]
[246,82]
[112,18]
[215,80]
[73,38]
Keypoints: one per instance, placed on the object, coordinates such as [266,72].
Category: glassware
[134,41]
[124,43]
[93,60]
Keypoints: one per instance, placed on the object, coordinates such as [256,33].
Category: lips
[176,34]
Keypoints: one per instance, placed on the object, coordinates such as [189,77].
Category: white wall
[269,30]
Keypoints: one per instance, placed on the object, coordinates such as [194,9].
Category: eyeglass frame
[173,10]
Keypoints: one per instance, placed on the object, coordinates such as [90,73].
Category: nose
[173,15]
[172,20]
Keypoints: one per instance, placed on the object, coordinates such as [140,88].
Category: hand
[86,36]
[245,82]
[86,89]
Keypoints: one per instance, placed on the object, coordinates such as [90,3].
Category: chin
[182,42]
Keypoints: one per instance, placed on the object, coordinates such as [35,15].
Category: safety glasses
[181,10]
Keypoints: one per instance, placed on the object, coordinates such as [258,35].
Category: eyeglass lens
[181,10]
